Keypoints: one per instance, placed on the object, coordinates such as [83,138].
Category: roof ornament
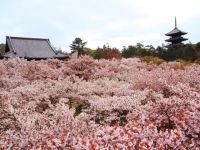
[176,35]
[175,23]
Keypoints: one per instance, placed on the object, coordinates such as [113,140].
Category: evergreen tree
[78,46]
[131,51]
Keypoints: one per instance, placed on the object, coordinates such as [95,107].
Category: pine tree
[78,46]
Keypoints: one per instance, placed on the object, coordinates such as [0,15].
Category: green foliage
[78,110]
[2,48]
[152,60]
[139,46]
[131,51]
[197,51]
[107,53]
[138,50]
[70,102]
[101,52]
[103,117]
[78,45]
[185,52]
[77,104]
[89,52]
[178,51]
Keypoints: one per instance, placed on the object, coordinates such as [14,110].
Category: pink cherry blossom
[98,104]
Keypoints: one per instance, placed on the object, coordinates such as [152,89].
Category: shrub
[152,60]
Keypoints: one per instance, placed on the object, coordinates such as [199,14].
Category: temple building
[31,48]
[176,35]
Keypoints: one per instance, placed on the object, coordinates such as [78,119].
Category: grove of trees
[185,52]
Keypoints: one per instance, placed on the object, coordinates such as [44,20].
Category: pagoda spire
[175,23]
[176,35]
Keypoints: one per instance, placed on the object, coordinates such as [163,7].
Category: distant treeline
[187,52]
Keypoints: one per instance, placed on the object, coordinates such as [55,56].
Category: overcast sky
[117,22]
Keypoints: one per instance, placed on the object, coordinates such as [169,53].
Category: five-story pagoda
[176,35]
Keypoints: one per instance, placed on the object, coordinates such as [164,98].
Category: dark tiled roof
[175,31]
[33,48]
[176,39]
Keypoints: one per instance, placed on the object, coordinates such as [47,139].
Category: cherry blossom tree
[98,104]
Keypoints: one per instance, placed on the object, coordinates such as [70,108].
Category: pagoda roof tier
[175,31]
[176,39]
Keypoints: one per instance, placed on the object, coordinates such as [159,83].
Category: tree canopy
[187,52]
[78,46]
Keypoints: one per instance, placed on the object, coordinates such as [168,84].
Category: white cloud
[160,12]
[163,8]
